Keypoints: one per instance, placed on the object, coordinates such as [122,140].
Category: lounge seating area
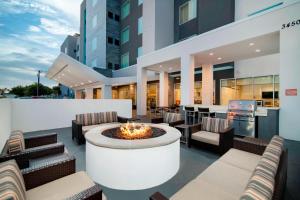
[213,164]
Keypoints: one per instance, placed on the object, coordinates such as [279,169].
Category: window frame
[179,12]
[140,20]
[123,30]
[141,51]
[125,54]
[123,5]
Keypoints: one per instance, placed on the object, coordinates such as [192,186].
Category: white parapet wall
[5,121]
[44,114]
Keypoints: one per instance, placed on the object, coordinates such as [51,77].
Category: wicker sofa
[254,172]
[172,119]
[85,122]
[52,182]
[25,149]
[213,133]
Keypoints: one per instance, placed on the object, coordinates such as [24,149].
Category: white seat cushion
[241,159]
[207,137]
[164,124]
[62,188]
[198,189]
[230,178]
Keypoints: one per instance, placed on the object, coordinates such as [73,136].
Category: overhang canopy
[71,73]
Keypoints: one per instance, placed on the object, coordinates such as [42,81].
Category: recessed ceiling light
[251,44]
[81,83]
[160,66]
[63,74]
[170,68]
[211,54]
[257,50]
[76,85]
[90,81]
[219,58]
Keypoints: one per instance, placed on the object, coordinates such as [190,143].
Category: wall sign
[291,92]
[290,24]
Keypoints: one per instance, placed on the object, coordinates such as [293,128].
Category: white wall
[5,121]
[245,7]
[260,66]
[43,114]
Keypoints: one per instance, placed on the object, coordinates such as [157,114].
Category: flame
[133,131]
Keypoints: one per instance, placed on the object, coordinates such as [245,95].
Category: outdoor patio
[193,162]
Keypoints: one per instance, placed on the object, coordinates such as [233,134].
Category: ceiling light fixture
[160,66]
[211,54]
[170,68]
[257,50]
[63,74]
[251,44]
[81,83]
[219,58]
[90,81]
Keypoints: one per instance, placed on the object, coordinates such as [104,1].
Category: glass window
[125,60]
[125,9]
[94,63]
[187,11]
[110,15]
[140,51]
[125,35]
[110,40]
[94,22]
[117,42]
[276,90]
[94,44]
[117,18]
[140,2]
[244,89]
[263,90]
[227,91]
[140,25]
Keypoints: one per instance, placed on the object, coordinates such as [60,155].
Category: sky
[31,32]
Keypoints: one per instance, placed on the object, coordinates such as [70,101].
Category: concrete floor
[193,162]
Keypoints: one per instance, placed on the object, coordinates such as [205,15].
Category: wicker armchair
[219,141]
[172,119]
[35,147]
[51,179]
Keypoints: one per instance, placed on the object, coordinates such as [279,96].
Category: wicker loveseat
[245,173]
[46,183]
[172,119]
[213,133]
[85,122]
[25,149]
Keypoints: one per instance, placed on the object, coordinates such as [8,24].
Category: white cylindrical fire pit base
[122,165]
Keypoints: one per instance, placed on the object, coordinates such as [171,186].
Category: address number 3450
[290,24]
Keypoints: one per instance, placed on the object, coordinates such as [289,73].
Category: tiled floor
[193,162]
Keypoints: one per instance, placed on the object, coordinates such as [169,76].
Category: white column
[289,115]
[106,92]
[89,93]
[141,91]
[207,84]
[187,80]
[163,89]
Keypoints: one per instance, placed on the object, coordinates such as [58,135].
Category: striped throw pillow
[206,123]
[171,117]
[12,185]
[15,143]
[261,184]
[260,187]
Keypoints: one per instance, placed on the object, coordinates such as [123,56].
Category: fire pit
[133,131]
[132,156]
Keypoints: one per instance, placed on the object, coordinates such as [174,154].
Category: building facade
[197,52]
